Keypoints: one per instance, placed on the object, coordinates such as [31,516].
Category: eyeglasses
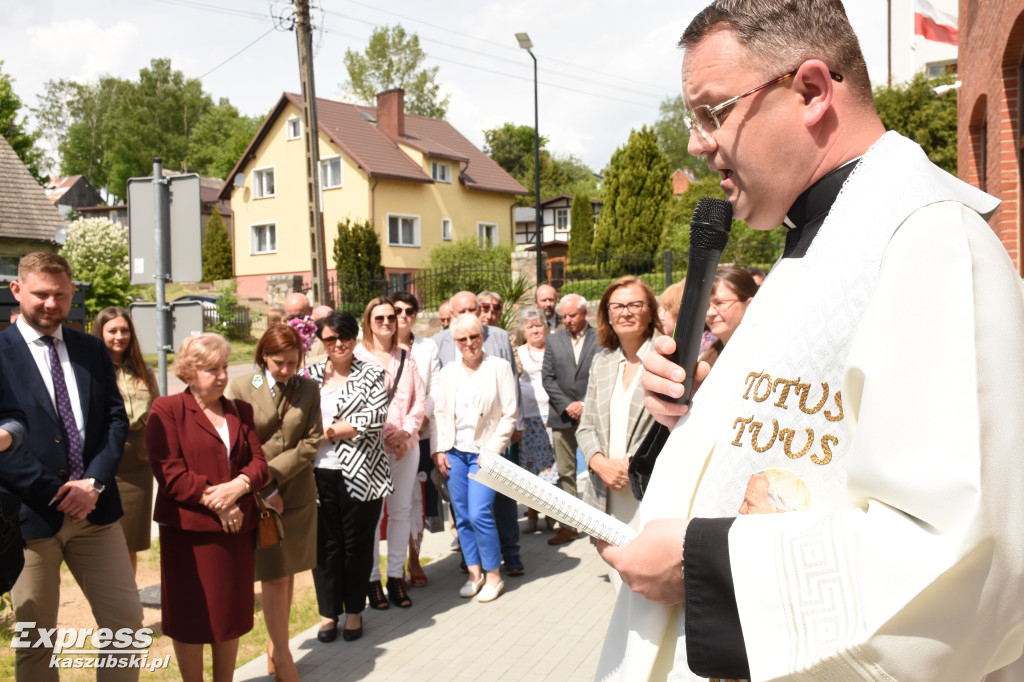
[331,340]
[488,307]
[406,312]
[381,319]
[704,119]
[462,341]
[722,306]
[616,309]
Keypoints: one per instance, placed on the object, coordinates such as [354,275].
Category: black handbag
[641,465]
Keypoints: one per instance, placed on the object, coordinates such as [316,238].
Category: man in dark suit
[545,298]
[566,368]
[65,469]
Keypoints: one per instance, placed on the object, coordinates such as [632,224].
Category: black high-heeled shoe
[397,594]
[377,599]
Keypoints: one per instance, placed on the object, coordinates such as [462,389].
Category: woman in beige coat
[614,421]
[476,411]
[286,409]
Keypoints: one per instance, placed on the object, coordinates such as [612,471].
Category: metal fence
[430,287]
[588,276]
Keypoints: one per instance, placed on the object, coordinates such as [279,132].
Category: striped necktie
[72,438]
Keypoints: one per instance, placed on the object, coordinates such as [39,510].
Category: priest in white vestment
[880,365]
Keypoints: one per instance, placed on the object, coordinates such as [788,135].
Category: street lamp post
[527,44]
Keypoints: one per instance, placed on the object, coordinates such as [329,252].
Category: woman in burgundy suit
[207,460]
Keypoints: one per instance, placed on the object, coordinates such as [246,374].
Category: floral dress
[536,454]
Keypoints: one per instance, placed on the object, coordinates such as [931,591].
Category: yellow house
[417,179]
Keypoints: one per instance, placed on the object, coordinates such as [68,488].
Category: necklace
[529,351]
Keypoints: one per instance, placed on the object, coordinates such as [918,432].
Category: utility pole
[317,244]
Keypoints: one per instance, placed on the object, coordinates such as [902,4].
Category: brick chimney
[391,112]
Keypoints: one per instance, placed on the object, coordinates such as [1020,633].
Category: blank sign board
[183,236]
[186,320]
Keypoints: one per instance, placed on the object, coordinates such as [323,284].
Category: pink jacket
[407,407]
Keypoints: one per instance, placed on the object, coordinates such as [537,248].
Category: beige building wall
[358,198]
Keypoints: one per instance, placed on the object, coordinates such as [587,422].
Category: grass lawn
[241,351]
[75,612]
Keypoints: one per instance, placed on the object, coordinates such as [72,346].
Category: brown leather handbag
[270,529]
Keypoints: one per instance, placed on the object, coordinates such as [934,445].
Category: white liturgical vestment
[884,371]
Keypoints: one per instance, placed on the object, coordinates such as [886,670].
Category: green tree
[216,249]
[393,59]
[97,251]
[15,130]
[746,246]
[581,228]
[153,117]
[73,118]
[511,147]
[465,265]
[674,137]
[915,111]
[636,193]
[358,262]
[219,139]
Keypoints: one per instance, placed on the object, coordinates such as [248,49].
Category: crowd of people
[336,435]
[841,499]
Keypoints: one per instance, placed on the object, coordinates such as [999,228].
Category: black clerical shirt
[714,637]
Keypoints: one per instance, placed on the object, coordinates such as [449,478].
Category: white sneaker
[491,592]
[471,588]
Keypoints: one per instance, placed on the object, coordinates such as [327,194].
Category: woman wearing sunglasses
[406,406]
[476,410]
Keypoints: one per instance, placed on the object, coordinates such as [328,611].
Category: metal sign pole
[163,327]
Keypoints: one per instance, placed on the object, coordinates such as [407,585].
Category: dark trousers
[344,548]
[506,516]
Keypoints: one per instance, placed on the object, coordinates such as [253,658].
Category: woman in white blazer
[476,411]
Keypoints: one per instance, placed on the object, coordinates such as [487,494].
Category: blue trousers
[474,513]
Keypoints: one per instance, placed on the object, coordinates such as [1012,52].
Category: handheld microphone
[709,232]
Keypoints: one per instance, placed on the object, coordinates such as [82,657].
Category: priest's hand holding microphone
[652,563]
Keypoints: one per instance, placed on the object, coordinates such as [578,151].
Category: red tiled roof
[352,129]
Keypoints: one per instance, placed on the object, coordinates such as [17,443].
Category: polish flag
[934,24]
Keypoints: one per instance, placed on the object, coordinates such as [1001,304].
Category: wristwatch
[96,485]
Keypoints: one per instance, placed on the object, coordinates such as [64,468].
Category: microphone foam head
[712,222]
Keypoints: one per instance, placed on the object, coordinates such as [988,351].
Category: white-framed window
[446,229]
[488,234]
[263,238]
[263,183]
[293,128]
[562,219]
[330,172]
[403,230]
[440,171]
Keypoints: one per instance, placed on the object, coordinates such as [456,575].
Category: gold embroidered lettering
[784,395]
[764,378]
[742,423]
[750,384]
[755,431]
[805,390]
[838,398]
[787,435]
[826,449]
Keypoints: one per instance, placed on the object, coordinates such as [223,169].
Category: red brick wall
[991,51]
